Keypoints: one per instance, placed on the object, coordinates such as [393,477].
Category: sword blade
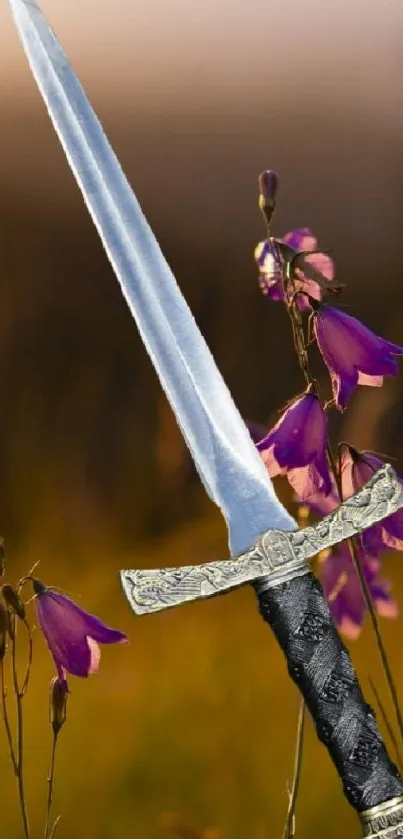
[272,558]
[232,471]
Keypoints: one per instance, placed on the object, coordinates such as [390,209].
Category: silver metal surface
[232,471]
[276,556]
[384,821]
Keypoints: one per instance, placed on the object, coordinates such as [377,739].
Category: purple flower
[72,635]
[271,269]
[352,353]
[296,447]
[340,582]
[356,469]
[342,589]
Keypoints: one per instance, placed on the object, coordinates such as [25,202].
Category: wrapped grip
[320,665]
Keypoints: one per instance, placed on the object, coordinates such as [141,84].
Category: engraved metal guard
[277,556]
[384,821]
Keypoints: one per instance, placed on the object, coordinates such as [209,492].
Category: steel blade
[230,467]
[273,558]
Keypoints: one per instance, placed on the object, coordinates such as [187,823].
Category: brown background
[197,716]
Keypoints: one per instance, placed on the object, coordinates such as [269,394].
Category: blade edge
[232,464]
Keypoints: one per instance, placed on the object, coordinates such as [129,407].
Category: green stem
[378,637]
[300,348]
[20,731]
[29,664]
[370,607]
[387,724]
[5,717]
[50,786]
[289,828]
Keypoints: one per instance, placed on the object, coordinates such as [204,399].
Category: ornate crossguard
[290,598]
[291,601]
[277,556]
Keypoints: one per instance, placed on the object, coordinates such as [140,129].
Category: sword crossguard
[290,598]
[276,556]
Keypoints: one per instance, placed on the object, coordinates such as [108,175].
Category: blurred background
[194,722]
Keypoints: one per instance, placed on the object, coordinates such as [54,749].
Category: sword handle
[320,665]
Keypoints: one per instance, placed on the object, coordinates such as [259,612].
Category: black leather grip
[320,665]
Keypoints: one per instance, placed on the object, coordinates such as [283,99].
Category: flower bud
[13,600]
[3,630]
[10,627]
[268,184]
[38,587]
[58,704]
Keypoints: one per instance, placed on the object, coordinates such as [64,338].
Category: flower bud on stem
[300,345]
[58,704]
[268,185]
[58,708]
[13,600]
[4,625]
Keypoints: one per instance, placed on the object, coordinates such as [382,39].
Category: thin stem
[289,828]
[5,717]
[378,637]
[29,664]
[370,607]
[299,340]
[387,724]
[55,826]
[50,787]
[300,348]
[18,698]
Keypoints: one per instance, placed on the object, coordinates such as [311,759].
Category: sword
[273,559]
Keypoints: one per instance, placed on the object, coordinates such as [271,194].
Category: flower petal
[296,446]
[301,239]
[350,350]
[95,655]
[356,469]
[323,263]
[71,633]
[342,589]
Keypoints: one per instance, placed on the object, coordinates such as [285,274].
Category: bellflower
[356,469]
[72,635]
[352,353]
[296,447]
[341,584]
[342,589]
[271,269]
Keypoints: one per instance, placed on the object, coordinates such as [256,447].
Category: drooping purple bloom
[72,635]
[352,353]
[356,469]
[296,447]
[271,268]
[342,589]
[340,581]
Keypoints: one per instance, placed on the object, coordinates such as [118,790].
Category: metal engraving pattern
[153,590]
[232,472]
[392,832]
[385,821]
[277,555]
[318,662]
[380,497]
